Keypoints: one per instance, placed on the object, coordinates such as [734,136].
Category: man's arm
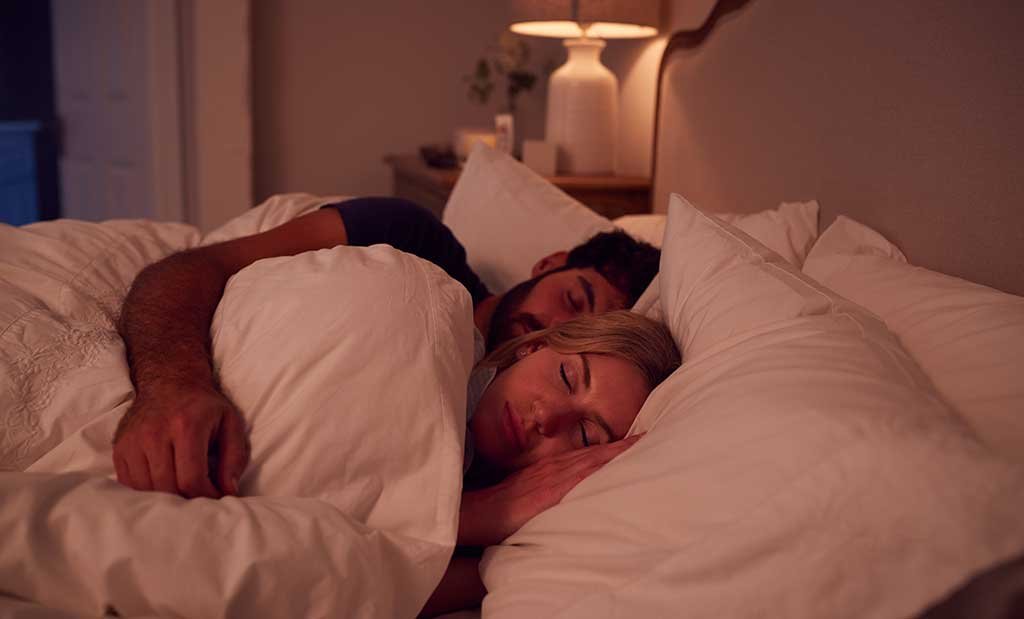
[179,415]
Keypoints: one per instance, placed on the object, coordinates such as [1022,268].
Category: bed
[844,439]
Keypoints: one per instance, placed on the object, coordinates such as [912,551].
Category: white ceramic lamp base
[583,111]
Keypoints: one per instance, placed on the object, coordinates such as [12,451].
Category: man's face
[552,298]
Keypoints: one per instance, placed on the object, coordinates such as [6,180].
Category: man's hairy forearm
[165,321]
[181,434]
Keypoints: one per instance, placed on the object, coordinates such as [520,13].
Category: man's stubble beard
[507,316]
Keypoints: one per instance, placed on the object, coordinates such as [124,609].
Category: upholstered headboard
[907,116]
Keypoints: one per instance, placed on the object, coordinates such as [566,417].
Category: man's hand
[182,435]
[182,441]
[489,515]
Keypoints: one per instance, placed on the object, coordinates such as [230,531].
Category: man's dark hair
[628,264]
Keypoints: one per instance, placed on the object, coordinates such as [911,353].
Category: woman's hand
[489,515]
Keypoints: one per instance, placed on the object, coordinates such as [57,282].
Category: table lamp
[583,95]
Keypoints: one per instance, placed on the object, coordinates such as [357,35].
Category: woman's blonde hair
[645,343]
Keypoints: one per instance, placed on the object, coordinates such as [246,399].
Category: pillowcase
[272,212]
[313,348]
[789,230]
[350,366]
[61,360]
[508,217]
[797,465]
[81,269]
[967,337]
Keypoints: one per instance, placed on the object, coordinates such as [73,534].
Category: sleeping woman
[547,410]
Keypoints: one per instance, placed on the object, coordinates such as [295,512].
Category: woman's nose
[551,417]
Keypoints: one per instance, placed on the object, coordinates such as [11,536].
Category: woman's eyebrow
[597,417]
[586,370]
[588,290]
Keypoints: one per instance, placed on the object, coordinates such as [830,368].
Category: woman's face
[550,402]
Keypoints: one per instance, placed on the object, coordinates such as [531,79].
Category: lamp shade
[603,19]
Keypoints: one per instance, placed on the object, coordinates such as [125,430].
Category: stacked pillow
[508,217]
[797,465]
[967,337]
[789,230]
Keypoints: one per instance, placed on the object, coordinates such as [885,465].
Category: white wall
[339,85]
[217,110]
[636,64]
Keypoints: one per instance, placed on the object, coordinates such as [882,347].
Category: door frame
[168,174]
[216,109]
[197,108]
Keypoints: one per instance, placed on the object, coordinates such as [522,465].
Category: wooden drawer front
[18,202]
[614,204]
[427,196]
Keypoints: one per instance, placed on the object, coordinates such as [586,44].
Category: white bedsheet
[78,543]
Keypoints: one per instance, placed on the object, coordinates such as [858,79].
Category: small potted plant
[506,63]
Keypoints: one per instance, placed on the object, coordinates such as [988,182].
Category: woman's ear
[550,262]
[528,349]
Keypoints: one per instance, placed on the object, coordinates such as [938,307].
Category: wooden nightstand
[611,196]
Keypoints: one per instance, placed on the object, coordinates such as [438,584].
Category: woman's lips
[514,428]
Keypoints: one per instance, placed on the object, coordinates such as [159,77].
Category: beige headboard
[907,116]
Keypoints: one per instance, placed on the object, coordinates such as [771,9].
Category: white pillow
[796,465]
[270,213]
[328,354]
[789,230]
[61,286]
[350,366]
[508,217]
[81,269]
[967,337]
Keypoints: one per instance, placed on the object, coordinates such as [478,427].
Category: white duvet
[799,464]
[355,403]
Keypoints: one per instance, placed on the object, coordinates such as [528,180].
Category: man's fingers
[161,468]
[233,445]
[138,471]
[191,466]
[121,467]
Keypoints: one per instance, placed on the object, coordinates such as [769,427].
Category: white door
[117,86]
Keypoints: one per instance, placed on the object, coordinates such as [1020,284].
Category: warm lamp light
[572,30]
[583,95]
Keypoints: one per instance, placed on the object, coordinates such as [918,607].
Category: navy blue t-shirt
[413,229]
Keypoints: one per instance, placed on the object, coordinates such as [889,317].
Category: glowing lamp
[583,95]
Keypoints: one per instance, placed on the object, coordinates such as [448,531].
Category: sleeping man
[183,436]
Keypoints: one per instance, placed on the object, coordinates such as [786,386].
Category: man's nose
[558,317]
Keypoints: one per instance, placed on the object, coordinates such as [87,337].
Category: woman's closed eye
[564,377]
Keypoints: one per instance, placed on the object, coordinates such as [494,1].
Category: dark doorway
[29,182]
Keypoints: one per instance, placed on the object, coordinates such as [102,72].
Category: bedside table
[611,196]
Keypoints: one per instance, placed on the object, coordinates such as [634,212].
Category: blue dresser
[28,183]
